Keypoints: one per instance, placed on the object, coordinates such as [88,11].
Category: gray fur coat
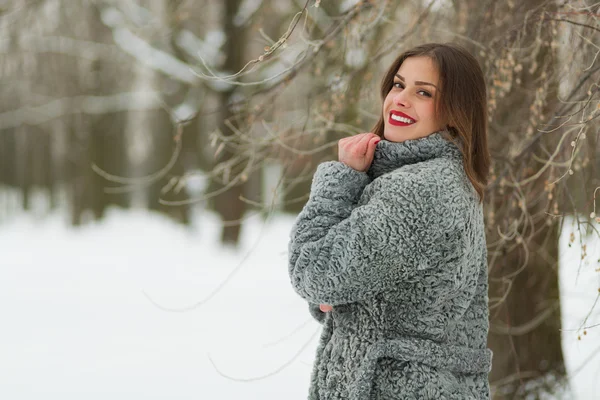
[400,254]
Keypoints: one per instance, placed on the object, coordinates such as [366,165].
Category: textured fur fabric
[400,254]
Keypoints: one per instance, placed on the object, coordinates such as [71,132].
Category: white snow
[355,57]
[85,311]
[245,11]
[579,291]
[143,99]
[144,52]
[208,50]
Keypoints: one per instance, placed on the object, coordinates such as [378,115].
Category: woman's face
[409,107]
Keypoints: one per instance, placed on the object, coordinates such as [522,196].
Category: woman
[391,243]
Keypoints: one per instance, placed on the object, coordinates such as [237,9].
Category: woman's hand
[357,151]
[325,307]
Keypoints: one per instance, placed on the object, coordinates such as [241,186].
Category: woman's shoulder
[438,184]
[442,174]
[430,191]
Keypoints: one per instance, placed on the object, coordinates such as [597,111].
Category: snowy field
[135,308]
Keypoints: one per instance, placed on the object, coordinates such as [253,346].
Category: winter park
[299,199]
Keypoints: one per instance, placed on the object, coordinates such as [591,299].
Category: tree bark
[525,316]
[25,145]
[78,169]
[228,204]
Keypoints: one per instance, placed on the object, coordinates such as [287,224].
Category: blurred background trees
[179,106]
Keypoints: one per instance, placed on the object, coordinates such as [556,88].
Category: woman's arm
[341,253]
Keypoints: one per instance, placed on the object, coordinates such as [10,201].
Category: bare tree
[284,95]
[536,124]
[228,203]
[521,48]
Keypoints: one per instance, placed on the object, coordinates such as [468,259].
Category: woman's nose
[401,100]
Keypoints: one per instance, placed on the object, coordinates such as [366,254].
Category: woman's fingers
[366,145]
[373,144]
[325,307]
[351,141]
[357,143]
[358,151]
[363,144]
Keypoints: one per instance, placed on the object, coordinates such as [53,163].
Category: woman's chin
[393,136]
[400,133]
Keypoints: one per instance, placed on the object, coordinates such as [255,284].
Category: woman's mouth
[400,119]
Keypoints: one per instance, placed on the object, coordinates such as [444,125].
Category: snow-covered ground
[135,308]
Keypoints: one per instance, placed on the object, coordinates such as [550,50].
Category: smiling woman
[390,249]
[409,109]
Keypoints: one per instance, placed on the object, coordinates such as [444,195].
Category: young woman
[390,249]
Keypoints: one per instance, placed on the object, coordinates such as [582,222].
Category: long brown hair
[462,102]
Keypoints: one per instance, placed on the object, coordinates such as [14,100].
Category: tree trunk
[47,172]
[228,204]
[162,150]
[163,128]
[25,171]
[109,146]
[524,297]
[78,169]
[8,158]
[525,328]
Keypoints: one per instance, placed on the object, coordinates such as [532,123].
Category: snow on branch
[208,49]
[143,52]
[34,115]
[85,49]
[245,11]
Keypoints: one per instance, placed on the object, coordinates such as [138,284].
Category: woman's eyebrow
[421,83]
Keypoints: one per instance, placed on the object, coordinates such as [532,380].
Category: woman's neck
[393,155]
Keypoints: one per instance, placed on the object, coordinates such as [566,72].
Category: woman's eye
[400,85]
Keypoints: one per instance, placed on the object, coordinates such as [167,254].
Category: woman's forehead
[419,69]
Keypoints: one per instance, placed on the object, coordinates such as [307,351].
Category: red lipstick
[402,115]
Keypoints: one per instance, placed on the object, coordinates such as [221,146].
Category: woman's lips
[399,123]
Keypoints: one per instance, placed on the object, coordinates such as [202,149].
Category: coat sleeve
[341,252]
[316,312]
